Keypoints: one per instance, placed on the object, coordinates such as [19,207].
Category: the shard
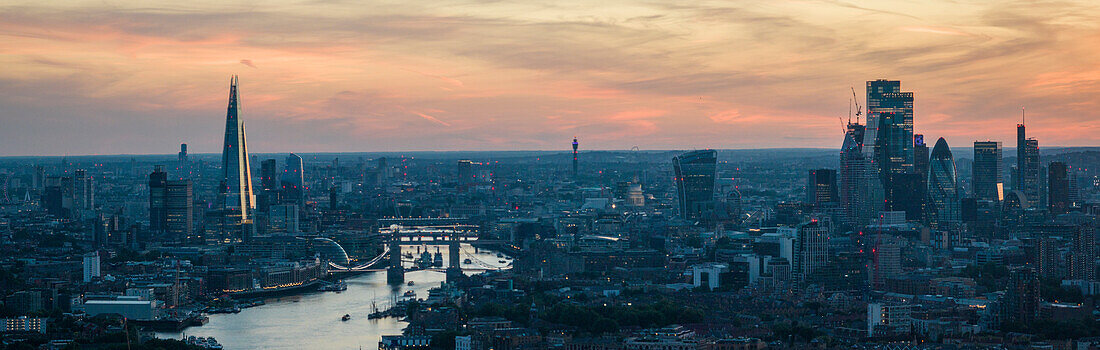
[236,186]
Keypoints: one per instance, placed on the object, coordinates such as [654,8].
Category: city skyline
[140,79]
[414,188]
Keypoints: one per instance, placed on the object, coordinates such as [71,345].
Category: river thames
[311,320]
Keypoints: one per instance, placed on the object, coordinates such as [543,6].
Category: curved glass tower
[294,181]
[943,189]
[236,185]
[695,173]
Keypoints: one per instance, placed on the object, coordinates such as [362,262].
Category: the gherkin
[943,189]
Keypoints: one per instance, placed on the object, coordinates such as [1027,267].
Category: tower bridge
[420,231]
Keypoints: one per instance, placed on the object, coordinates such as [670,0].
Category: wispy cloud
[338,75]
[934,30]
[433,119]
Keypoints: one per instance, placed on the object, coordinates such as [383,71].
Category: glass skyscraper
[293,181]
[1058,187]
[987,182]
[895,123]
[1026,179]
[811,250]
[889,148]
[269,186]
[236,196]
[695,172]
[821,187]
[854,178]
[943,187]
[158,182]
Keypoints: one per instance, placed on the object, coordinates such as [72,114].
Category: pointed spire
[234,103]
[236,184]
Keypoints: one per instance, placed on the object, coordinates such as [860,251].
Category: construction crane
[859,109]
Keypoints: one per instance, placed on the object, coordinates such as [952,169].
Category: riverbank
[313,320]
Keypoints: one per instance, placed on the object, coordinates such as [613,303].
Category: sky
[140,77]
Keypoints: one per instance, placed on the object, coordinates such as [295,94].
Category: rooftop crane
[859,109]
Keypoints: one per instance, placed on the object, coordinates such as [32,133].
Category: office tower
[293,181]
[183,163]
[332,199]
[269,186]
[91,266]
[877,161]
[1083,258]
[821,187]
[920,155]
[889,143]
[464,172]
[895,123]
[1026,179]
[171,209]
[855,177]
[811,250]
[103,226]
[179,218]
[236,197]
[575,144]
[383,171]
[1058,187]
[59,195]
[695,172]
[920,167]
[1047,257]
[283,218]
[1074,188]
[1021,300]
[943,188]
[987,183]
[905,194]
[158,191]
[885,261]
[84,190]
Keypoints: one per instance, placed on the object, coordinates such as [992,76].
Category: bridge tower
[395,274]
[454,257]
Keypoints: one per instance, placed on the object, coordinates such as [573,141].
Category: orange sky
[331,75]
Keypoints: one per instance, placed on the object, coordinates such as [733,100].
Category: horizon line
[568,151]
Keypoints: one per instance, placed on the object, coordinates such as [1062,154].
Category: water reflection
[312,320]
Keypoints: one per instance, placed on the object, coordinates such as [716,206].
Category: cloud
[726,117]
[935,30]
[499,75]
[433,119]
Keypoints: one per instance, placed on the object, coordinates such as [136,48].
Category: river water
[312,320]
